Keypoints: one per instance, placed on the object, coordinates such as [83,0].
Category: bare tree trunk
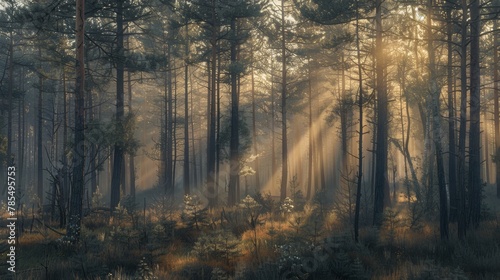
[381,182]
[284,148]
[169,187]
[131,155]
[75,210]
[475,118]
[39,136]
[496,116]
[10,99]
[452,163]
[461,214]
[234,156]
[273,117]
[211,145]
[435,103]
[118,148]
[186,116]
[310,144]
[360,140]
[254,126]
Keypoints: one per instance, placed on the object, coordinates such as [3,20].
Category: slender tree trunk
[461,214]
[475,115]
[284,148]
[211,145]
[436,116]
[452,163]
[195,171]
[254,126]
[10,100]
[40,136]
[169,186]
[131,155]
[381,182]
[310,144]
[20,138]
[273,142]
[496,116]
[186,116]
[131,112]
[218,116]
[64,189]
[234,156]
[75,210]
[360,140]
[118,147]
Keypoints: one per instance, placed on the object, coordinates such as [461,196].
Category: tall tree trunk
[310,144]
[273,142]
[64,189]
[452,163]
[234,156]
[40,135]
[211,145]
[461,214]
[218,116]
[75,209]
[93,147]
[186,115]
[20,137]
[10,99]
[436,116]
[131,155]
[169,132]
[496,116]
[475,113]
[381,183]
[284,148]
[118,147]
[360,140]
[254,126]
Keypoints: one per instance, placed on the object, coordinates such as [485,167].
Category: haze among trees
[252,139]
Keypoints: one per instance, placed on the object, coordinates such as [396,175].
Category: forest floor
[253,241]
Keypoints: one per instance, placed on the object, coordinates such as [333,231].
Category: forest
[250,139]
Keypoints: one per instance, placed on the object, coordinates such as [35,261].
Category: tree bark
[381,183]
[284,148]
[40,135]
[496,88]
[475,113]
[461,216]
[75,210]
[186,116]
[360,140]
[436,116]
[452,163]
[211,145]
[118,147]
